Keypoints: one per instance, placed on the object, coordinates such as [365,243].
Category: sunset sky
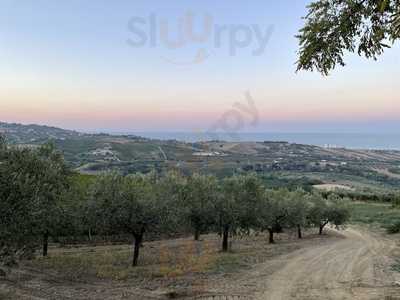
[72,64]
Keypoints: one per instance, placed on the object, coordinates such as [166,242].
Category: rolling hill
[280,163]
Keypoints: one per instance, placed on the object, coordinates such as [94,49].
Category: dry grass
[157,260]
[168,264]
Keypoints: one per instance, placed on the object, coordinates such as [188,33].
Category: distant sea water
[345,140]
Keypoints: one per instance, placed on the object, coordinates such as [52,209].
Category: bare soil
[332,187]
[356,267]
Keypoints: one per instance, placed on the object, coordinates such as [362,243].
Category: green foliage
[318,212]
[32,182]
[200,195]
[170,190]
[274,209]
[396,24]
[335,26]
[134,204]
[381,215]
[247,191]
[334,210]
[77,218]
[374,214]
[338,212]
[365,195]
[276,182]
[17,217]
[236,206]
[51,180]
[298,210]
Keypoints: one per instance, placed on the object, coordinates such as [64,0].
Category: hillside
[280,163]
[25,134]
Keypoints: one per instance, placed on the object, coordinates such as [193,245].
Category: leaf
[396,25]
[384,5]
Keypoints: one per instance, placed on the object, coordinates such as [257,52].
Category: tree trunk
[271,236]
[90,235]
[225,239]
[299,233]
[321,227]
[137,243]
[45,243]
[196,234]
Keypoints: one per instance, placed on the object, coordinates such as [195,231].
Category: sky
[126,66]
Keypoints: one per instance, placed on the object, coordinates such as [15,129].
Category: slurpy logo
[154,31]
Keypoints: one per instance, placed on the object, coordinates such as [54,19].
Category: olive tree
[332,27]
[272,212]
[297,211]
[76,207]
[227,209]
[251,192]
[170,190]
[126,205]
[323,211]
[104,195]
[318,214]
[338,210]
[33,182]
[197,203]
[236,205]
[17,218]
[51,179]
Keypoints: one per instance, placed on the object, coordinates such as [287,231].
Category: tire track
[349,268]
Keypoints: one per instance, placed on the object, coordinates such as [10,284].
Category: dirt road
[355,267]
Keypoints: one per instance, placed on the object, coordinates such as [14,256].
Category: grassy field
[374,214]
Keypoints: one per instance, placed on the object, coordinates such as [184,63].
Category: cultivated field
[93,154]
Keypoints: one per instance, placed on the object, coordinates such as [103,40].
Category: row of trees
[139,204]
[41,198]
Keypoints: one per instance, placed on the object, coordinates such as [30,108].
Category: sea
[333,140]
